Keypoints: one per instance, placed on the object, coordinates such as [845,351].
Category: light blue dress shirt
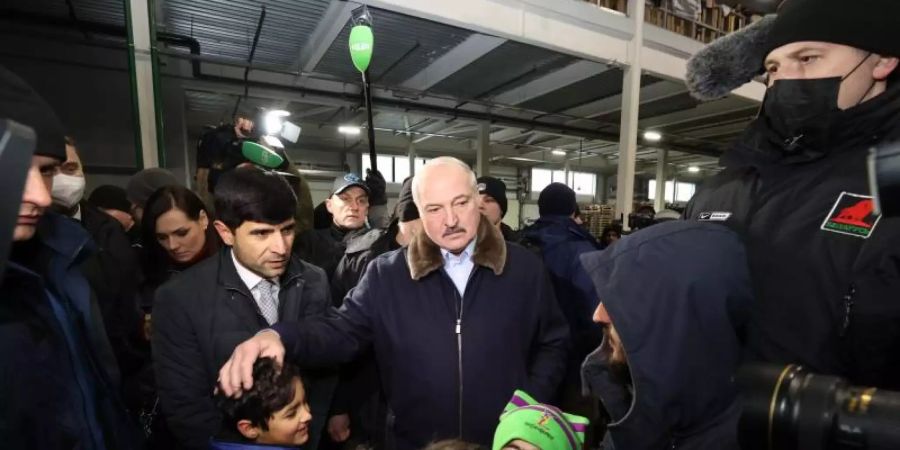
[459,267]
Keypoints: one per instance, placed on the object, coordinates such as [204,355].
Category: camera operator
[824,264]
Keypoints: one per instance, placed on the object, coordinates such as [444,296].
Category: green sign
[362,42]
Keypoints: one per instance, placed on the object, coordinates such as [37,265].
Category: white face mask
[67,190]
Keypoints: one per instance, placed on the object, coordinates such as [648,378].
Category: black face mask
[800,114]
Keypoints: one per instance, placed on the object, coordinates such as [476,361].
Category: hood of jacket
[424,256]
[677,293]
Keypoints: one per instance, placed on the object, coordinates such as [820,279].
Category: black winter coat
[441,383]
[200,316]
[112,272]
[40,393]
[826,269]
[325,247]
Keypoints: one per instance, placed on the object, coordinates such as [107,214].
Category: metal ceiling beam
[453,61]
[612,104]
[313,112]
[446,129]
[703,111]
[328,29]
[558,79]
[508,134]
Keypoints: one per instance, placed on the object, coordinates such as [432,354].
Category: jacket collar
[229,278]
[424,256]
[65,237]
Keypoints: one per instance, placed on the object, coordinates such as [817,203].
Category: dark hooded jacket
[54,351]
[826,299]
[678,294]
[441,383]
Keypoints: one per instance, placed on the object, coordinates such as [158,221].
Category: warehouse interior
[526,90]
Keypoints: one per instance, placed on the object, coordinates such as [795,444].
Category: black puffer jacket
[826,269]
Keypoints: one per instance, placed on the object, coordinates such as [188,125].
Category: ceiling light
[559,152]
[652,136]
[348,129]
[273,122]
[693,169]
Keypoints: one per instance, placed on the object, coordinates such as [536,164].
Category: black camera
[788,408]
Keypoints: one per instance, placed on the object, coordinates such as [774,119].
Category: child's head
[274,411]
[529,425]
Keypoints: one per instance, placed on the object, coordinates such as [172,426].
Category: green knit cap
[541,425]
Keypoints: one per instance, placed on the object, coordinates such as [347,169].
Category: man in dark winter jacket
[252,283]
[494,205]
[358,393]
[823,262]
[59,375]
[674,298]
[458,321]
[561,242]
[348,205]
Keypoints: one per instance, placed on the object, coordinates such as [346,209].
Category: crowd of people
[235,314]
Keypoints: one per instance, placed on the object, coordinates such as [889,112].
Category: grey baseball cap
[347,181]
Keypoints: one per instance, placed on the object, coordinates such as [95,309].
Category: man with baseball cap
[494,205]
[349,208]
[59,375]
[822,260]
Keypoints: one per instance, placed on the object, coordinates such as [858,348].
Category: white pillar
[411,154]
[631,93]
[660,202]
[483,150]
[141,35]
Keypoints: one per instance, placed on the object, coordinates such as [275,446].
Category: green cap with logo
[543,426]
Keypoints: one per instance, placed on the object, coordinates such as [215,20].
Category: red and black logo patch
[853,215]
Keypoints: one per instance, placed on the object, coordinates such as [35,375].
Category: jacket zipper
[459,346]
[848,309]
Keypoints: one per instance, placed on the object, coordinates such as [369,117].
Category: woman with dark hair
[176,232]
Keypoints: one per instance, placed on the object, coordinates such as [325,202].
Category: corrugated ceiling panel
[226,28]
[505,67]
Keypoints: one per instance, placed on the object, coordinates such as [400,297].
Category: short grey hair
[442,161]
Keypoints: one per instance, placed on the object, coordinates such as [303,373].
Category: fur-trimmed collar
[424,256]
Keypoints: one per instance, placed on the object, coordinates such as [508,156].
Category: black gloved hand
[377,188]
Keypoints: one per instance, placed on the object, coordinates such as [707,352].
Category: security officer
[823,262]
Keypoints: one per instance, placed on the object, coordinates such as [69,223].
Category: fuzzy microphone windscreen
[729,62]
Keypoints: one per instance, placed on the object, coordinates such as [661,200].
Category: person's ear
[248,430]
[884,68]
[204,220]
[328,205]
[224,233]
